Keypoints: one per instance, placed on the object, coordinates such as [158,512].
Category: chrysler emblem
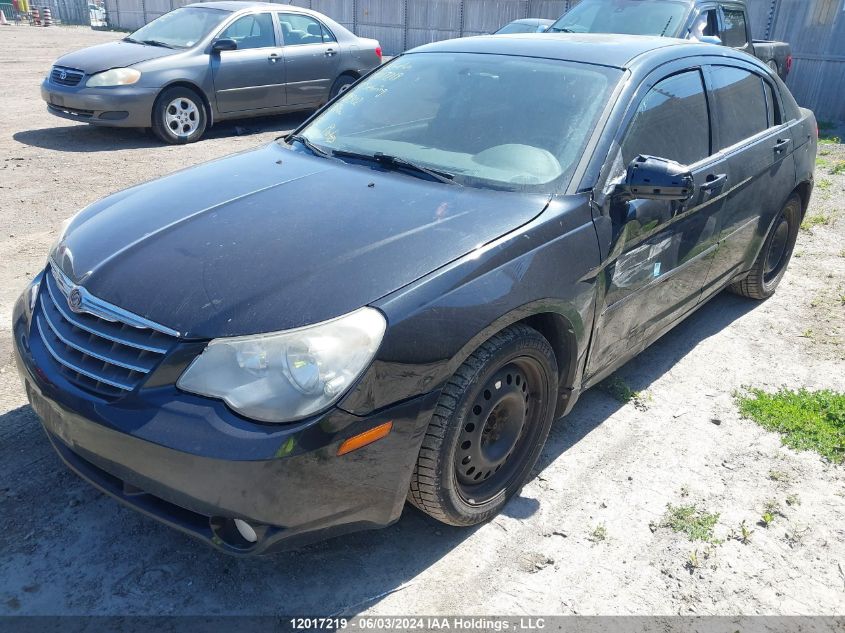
[74,299]
[63,75]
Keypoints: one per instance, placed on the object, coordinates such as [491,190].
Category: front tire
[771,263]
[179,116]
[488,429]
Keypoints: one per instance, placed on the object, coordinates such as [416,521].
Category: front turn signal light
[363,439]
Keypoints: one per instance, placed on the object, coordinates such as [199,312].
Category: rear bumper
[119,106]
[191,463]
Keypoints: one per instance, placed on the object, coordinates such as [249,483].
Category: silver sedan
[207,62]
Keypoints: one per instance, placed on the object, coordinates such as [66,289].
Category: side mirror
[651,178]
[224,44]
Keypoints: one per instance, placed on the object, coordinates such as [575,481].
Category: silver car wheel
[182,117]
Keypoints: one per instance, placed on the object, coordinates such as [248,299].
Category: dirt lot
[70,550]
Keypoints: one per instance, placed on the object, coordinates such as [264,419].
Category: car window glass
[735,34]
[300,29]
[671,122]
[740,104]
[705,25]
[251,31]
[771,105]
[633,17]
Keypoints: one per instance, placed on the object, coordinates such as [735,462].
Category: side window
[300,29]
[251,31]
[740,104]
[771,105]
[735,34]
[671,121]
[706,24]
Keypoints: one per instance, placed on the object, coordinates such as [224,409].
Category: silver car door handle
[274,57]
[330,52]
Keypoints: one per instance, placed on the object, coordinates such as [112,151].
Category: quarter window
[740,104]
[300,29]
[671,122]
[251,31]
[735,34]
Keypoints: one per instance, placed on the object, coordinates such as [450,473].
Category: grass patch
[598,534]
[806,420]
[691,521]
[838,168]
[619,390]
[812,221]
[821,162]
[824,139]
[824,184]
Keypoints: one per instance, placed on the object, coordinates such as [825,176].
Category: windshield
[491,121]
[181,28]
[633,17]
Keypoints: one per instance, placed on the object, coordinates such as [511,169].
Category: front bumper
[191,463]
[118,106]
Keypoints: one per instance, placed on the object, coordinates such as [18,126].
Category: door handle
[781,145]
[330,52]
[714,182]
[274,57]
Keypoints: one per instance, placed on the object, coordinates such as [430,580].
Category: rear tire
[179,116]
[771,263]
[341,84]
[488,429]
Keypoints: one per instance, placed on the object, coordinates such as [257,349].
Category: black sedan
[397,300]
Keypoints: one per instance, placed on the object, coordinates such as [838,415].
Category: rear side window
[735,34]
[300,29]
[671,121]
[251,31]
[740,104]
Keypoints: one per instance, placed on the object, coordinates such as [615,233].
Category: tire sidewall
[339,83]
[543,354]
[792,211]
[159,127]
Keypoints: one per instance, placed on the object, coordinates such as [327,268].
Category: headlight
[287,376]
[114,77]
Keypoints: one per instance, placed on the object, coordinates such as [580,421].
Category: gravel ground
[70,550]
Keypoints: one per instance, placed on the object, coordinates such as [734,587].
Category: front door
[312,58]
[661,251]
[253,76]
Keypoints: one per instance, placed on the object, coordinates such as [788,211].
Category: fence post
[461,19]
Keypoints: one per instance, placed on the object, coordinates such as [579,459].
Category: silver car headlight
[114,77]
[287,376]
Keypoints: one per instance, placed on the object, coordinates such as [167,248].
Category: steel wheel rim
[182,117]
[500,429]
[777,249]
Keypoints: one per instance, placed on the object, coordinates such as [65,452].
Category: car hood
[112,55]
[274,239]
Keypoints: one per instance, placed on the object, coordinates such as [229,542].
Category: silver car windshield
[488,121]
[632,17]
[181,28]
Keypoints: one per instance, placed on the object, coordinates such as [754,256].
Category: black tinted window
[300,29]
[740,104]
[671,122]
[734,34]
[251,31]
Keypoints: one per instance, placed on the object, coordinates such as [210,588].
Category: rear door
[253,76]
[661,251]
[312,58]
[757,147]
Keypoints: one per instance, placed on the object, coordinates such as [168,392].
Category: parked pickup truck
[723,23]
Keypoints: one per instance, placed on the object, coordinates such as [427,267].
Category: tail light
[378,52]
[788,63]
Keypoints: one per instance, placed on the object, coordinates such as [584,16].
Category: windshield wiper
[561,29]
[129,39]
[157,43]
[315,149]
[396,162]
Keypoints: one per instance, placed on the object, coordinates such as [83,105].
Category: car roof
[239,5]
[605,49]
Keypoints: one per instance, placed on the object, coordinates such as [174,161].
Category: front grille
[66,76]
[83,114]
[106,357]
